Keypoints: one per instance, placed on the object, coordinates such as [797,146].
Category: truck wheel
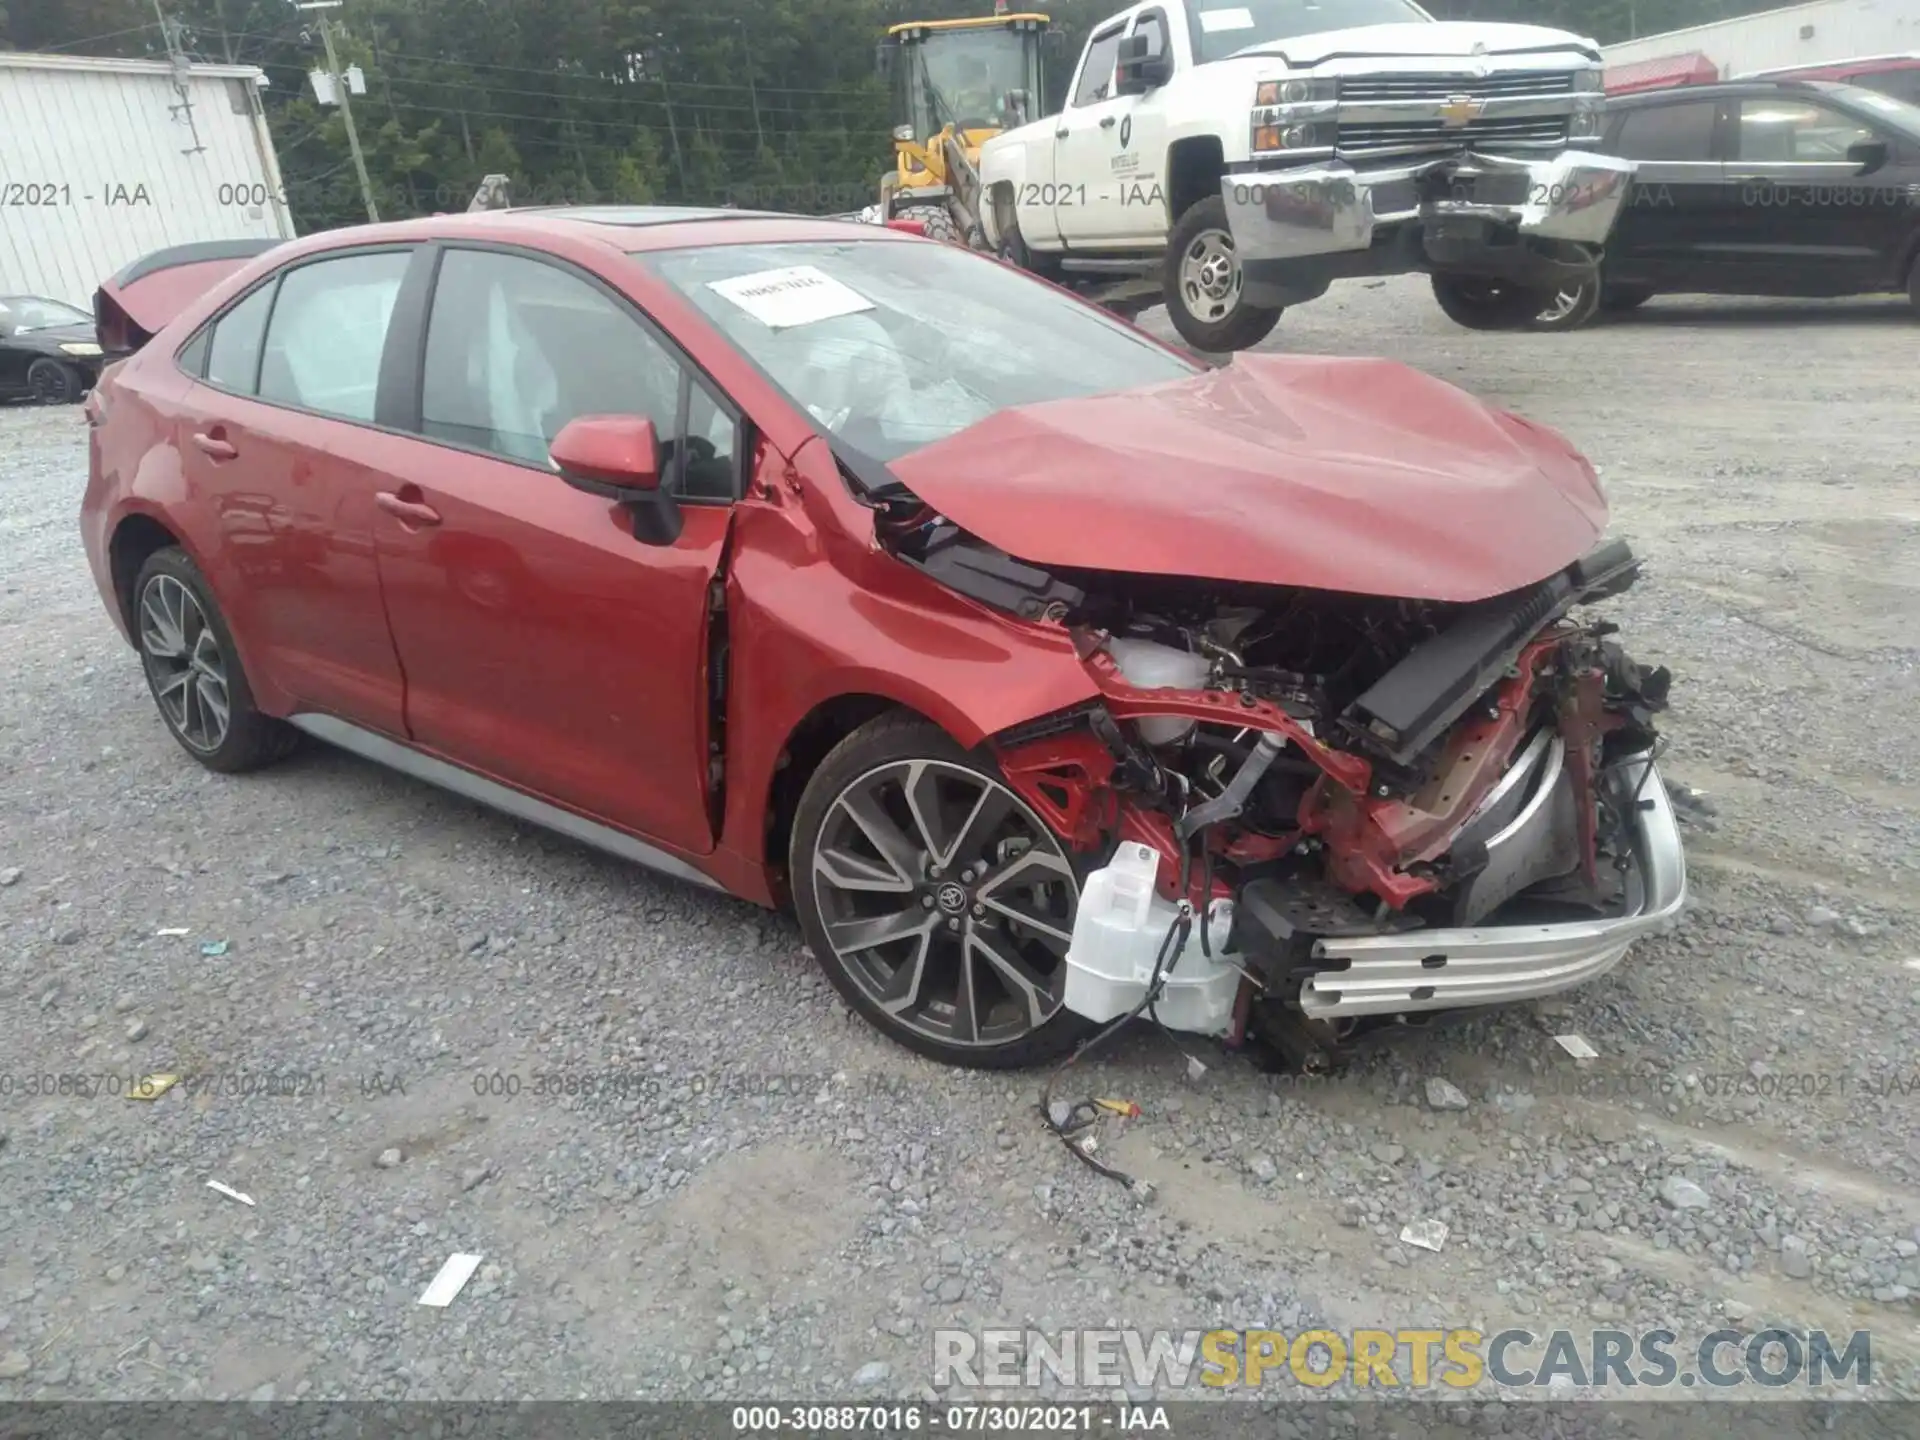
[939,223]
[1202,282]
[1482,304]
[1913,285]
[1571,307]
[1013,250]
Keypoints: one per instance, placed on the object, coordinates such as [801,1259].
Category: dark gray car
[1759,187]
[48,350]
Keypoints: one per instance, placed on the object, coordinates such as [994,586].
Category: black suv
[1758,187]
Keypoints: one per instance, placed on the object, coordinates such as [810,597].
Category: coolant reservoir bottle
[1153,666]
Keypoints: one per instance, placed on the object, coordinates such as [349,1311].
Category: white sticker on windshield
[1237,18]
[797,295]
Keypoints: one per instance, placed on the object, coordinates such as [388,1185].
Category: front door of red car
[542,644]
[275,437]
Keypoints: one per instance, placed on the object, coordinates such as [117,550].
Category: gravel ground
[795,1205]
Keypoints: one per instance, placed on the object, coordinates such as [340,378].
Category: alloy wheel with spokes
[185,664]
[941,904]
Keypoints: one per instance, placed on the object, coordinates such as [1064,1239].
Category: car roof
[630,228]
[1725,89]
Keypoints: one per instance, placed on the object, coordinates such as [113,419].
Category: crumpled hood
[1358,475]
[1438,40]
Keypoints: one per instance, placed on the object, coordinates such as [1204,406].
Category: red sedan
[1051,676]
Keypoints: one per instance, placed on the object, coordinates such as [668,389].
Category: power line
[96,39]
[852,88]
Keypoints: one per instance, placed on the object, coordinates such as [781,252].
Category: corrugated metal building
[103,161]
[1813,34]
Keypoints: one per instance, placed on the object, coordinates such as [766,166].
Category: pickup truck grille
[1523,132]
[1524,84]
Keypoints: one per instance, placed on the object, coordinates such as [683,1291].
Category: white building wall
[1813,34]
[95,170]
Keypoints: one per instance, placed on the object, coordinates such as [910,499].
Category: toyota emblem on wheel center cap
[951,898]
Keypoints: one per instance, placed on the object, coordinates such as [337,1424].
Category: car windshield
[35,312]
[891,345]
[1889,109]
[974,79]
[1225,27]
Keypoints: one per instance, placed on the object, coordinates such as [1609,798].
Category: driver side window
[517,348]
[1096,79]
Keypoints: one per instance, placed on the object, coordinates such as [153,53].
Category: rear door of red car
[542,643]
[277,441]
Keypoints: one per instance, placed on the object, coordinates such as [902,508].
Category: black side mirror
[883,59]
[1138,68]
[1869,155]
[1053,42]
[617,457]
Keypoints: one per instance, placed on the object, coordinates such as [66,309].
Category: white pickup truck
[1235,157]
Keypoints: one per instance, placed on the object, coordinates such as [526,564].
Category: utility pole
[182,72]
[340,88]
[660,51]
[758,134]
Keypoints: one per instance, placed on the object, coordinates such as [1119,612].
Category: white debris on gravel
[760,1182]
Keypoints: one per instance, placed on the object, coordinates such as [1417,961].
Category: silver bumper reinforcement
[1122,923]
[1500,964]
[1329,208]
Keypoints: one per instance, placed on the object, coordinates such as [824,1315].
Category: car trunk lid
[134,305]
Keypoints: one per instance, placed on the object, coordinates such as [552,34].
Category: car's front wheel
[1481,303]
[938,903]
[51,383]
[194,670]
[1204,287]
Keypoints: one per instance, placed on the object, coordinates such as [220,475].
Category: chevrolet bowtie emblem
[1460,110]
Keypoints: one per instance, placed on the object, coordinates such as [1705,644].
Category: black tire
[50,382]
[1013,250]
[1482,304]
[1201,282]
[1570,307]
[928,1017]
[1619,302]
[936,218]
[1913,285]
[180,651]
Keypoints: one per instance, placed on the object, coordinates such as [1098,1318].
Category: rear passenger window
[1669,132]
[233,355]
[328,332]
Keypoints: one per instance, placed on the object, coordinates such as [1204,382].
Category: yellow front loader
[956,84]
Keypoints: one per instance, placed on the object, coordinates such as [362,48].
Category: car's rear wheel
[1913,284]
[1204,286]
[1481,303]
[51,383]
[937,902]
[194,670]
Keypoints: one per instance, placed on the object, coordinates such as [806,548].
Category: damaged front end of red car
[1308,815]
